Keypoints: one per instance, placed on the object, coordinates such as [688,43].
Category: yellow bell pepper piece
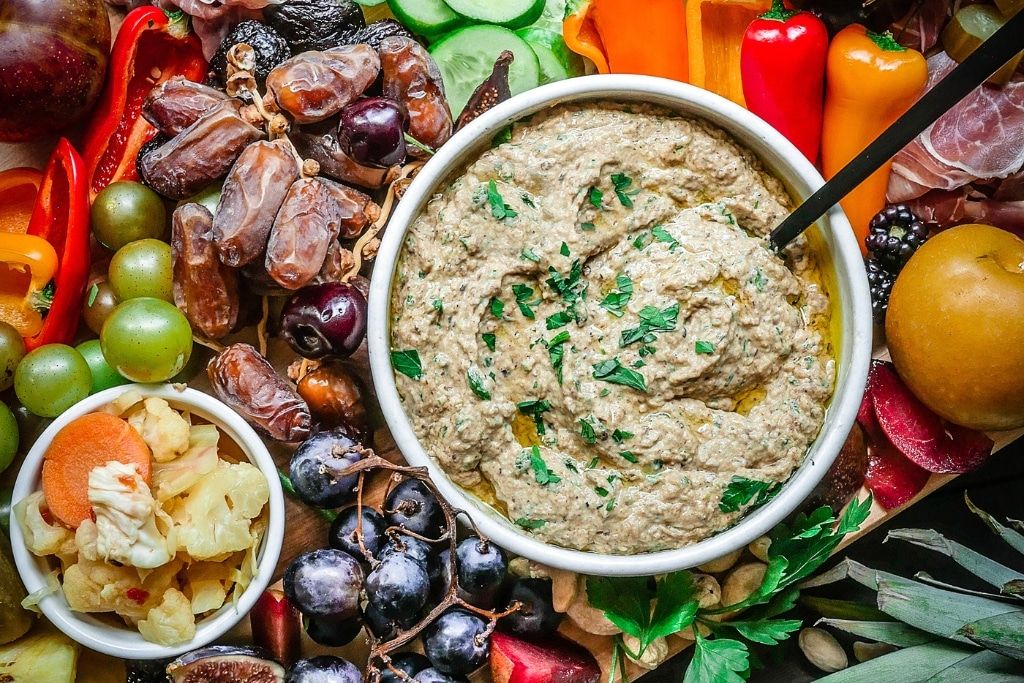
[27,265]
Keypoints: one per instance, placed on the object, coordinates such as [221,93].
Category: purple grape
[398,586]
[372,131]
[324,584]
[317,466]
[324,669]
[332,632]
[386,628]
[432,675]
[409,663]
[407,545]
[457,642]
[412,505]
[325,320]
[343,531]
[536,615]
[482,565]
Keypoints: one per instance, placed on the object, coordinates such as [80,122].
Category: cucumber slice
[557,61]
[425,17]
[508,13]
[466,58]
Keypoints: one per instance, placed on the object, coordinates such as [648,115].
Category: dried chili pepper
[314,86]
[174,105]
[205,289]
[411,78]
[150,48]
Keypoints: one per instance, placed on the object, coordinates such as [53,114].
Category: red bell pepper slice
[782,61]
[61,217]
[150,48]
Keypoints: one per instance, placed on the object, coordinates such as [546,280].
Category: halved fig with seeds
[225,664]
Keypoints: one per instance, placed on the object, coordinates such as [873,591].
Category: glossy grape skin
[126,211]
[432,675]
[103,376]
[481,564]
[323,669]
[372,131]
[410,547]
[384,627]
[51,379]
[324,320]
[536,616]
[98,305]
[142,268]
[12,350]
[412,505]
[324,584]
[343,528]
[332,632]
[409,663]
[146,340]
[316,468]
[8,437]
[398,586]
[455,643]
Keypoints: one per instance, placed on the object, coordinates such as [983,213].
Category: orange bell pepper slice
[27,265]
[18,189]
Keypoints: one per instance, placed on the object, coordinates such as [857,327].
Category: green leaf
[981,667]
[587,431]
[843,609]
[622,183]
[541,473]
[489,339]
[596,198]
[619,435]
[476,383]
[528,200]
[93,293]
[988,570]
[625,601]
[766,631]
[1002,633]
[535,408]
[662,235]
[42,300]
[587,227]
[652,319]
[530,524]
[857,512]
[913,663]
[615,301]
[705,348]
[556,320]
[1013,538]
[556,352]
[528,254]
[891,632]
[742,491]
[499,209]
[720,660]
[408,363]
[497,307]
[523,294]
[675,608]
[629,456]
[613,372]
[564,250]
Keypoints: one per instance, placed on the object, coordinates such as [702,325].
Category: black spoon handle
[972,72]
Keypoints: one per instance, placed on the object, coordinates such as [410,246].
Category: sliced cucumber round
[425,17]
[466,58]
[557,61]
[508,13]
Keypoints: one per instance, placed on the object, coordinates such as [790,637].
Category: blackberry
[895,234]
[881,281]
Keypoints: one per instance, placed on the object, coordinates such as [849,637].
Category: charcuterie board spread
[442,340]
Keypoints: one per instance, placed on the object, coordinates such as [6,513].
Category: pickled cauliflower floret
[207,585]
[85,540]
[171,622]
[178,475]
[41,537]
[163,429]
[215,516]
[126,512]
[101,587]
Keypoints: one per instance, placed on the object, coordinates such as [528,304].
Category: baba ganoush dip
[589,330]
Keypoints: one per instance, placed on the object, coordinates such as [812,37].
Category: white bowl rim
[764,141]
[124,642]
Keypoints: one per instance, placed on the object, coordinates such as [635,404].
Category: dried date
[174,105]
[335,399]
[244,380]
[357,210]
[411,77]
[336,264]
[314,86]
[320,143]
[200,154]
[252,196]
[205,289]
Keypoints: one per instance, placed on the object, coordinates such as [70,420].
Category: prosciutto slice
[919,29]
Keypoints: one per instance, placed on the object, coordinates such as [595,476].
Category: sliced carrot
[91,441]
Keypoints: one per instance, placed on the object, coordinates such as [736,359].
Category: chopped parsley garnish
[535,408]
[556,352]
[476,383]
[570,465]
[523,295]
[587,227]
[622,183]
[662,235]
[587,431]
[619,435]
[528,200]
[528,254]
[593,463]
[437,305]
[742,491]
[601,491]
[408,363]
[489,339]
[610,506]
[560,319]
[541,473]
[499,209]
[564,250]
[530,524]
[596,197]
[497,307]
[705,348]
[615,301]
[614,372]
[759,280]
[628,456]
[652,319]
[571,286]
[641,241]
[504,135]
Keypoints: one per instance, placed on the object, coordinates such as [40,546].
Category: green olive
[125,212]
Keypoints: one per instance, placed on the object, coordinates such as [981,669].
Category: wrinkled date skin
[205,289]
[244,380]
[174,105]
[200,154]
[252,195]
[411,78]
[335,398]
[314,86]
[320,143]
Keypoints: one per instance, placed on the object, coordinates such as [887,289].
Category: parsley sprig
[622,182]
[742,491]
[541,473]
[499,209]
[408,363]
[614,372]
[652,319]
[615,301]
[535,408]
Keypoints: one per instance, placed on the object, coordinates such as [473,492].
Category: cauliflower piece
[163,429]
[41,537]
[215,516]
[206,585]
[85,539]
[100,587]
[123,403]
[171,622]
[125,514]
[178,475]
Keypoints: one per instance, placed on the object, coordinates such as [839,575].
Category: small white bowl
[122,641]
[852,303]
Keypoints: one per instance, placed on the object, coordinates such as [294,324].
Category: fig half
[225,664]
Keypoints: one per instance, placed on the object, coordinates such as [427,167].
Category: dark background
[997,488]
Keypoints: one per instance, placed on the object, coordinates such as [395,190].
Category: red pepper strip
[782,61]
[150,48]
[61,217]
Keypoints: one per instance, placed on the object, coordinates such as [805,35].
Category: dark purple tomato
[372,131]
[325,320]
[53,55]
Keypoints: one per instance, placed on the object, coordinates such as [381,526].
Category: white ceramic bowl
[852,303]
[124,642]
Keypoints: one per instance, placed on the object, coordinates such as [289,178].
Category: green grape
[125,212]
[142,268]
[209,196]
[51,379]
[99,303]
[8,437]
[103,376]
[12,350]
[147,340]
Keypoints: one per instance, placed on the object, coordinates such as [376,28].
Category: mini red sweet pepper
[151,47]
[782,60]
